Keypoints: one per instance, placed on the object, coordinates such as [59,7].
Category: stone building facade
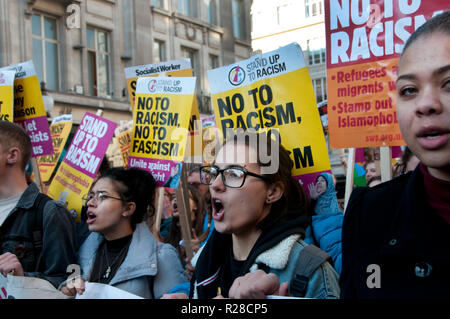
[81,47]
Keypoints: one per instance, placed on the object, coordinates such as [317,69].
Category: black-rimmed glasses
[97,198]
[233,177]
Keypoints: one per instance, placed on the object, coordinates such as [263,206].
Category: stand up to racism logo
[236,75]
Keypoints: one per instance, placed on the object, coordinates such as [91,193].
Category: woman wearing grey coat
[121,251]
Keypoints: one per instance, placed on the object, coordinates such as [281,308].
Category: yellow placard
[82,161]
[29,110]
[161,126]
[28,101]
[161,134]
[59,130]
[177,68]
[291,110]
[124,142]
[6,95]
[69,186]
[273,92]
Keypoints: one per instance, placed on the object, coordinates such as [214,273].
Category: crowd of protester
[254,234]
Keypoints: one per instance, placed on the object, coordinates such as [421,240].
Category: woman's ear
[275,192]
[130,207]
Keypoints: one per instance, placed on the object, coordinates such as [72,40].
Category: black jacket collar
[212,266]
[416,226]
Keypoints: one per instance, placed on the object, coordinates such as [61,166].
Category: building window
[45,50]
[313,8]
[238,19]
[320,89]
[284,14]
[159,51]
[98,62]
[211,12]
[317,56]
[158,3]
[188,7]
[192,54]
[213,61]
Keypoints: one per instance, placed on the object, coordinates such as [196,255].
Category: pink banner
[166,173]
[39,132]
[89,144]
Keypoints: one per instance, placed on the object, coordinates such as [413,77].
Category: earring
[268,200]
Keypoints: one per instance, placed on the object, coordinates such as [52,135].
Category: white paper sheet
[102,291]
[19,287]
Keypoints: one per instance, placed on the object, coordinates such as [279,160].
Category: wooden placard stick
[349,177]
[386,163]
[185,212]
[37,175]
[159,211]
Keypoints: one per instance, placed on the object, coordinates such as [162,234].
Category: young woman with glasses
[258,218]
[121,251]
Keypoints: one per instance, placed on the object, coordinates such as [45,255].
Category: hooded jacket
[270,252]
[326,233]
[148,265]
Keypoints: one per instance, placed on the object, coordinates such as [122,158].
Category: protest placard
[123,139]
[6,95]
[160,126]
[59,130]
[364,40]
[273,92]
[209,135]
[79,168]
[177,68]
[194,146]
[29,110]
[3,287]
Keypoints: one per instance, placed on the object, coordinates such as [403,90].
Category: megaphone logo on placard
[152,86]
[236,75]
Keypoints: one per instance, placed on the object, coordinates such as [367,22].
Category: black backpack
[38,226]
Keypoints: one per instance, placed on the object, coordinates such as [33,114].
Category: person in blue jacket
[325,230]
[174,178]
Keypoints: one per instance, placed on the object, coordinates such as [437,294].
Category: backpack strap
[308,261]
[38,226]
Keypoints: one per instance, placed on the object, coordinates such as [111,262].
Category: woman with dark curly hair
[121,251]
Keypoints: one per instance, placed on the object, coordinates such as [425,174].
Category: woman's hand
[178,295]
[73,287]
[257,285]
[313,191]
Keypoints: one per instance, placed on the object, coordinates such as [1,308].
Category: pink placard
[166,173]
[39,132]
[89,144]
